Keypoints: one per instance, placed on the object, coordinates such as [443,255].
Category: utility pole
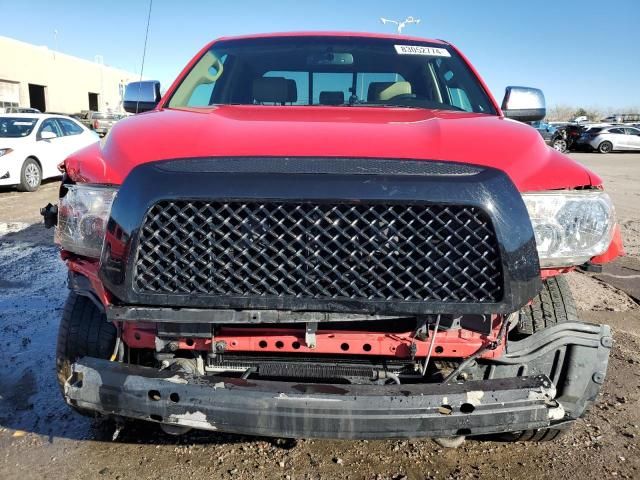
[99,59]
[400,24]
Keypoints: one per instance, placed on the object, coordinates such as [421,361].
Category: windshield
[16,127]
[335,71]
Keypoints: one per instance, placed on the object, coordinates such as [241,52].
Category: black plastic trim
[490,190]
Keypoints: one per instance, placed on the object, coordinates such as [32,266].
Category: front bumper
[312,410]
[574,355]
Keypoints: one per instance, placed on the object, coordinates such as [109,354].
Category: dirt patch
[591,294]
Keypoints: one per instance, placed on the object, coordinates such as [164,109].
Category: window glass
[69,127]
[50,126]
[364,81]
[301,80]
[459,99]
[331,82]
[104,116]
[616,130]
[632,131]
[357,72]
[202,94]
[12,127]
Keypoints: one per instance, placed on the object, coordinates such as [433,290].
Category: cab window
[69,127]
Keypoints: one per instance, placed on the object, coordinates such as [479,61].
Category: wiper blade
[383,105]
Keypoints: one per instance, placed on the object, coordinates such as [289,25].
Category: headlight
[570,227]
[82,217]
[4,151]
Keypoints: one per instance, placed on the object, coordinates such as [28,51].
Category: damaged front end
[543,381]
[375,303]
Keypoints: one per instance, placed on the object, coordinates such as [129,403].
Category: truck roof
[390,36]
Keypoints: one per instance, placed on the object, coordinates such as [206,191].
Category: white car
[33,145]
[608,139]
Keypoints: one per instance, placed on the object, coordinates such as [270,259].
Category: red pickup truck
[335,235]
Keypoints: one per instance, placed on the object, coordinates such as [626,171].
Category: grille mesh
[365,252]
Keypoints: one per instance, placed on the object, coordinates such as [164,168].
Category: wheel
[30,176]
[560,144]
[553,305]
[537,435]
[605,147]
[84,331]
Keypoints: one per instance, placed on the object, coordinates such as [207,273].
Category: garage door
[9,94]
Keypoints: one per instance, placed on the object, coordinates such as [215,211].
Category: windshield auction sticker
[420,50]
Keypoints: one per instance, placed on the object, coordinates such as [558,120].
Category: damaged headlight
[82,218]
[570,227]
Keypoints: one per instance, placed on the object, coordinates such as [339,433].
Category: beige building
[34,76]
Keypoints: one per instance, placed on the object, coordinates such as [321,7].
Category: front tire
[30,176]
[605,147]
[560,144]
[84,332]
[553,305]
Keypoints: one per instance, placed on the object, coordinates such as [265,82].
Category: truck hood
[317,131]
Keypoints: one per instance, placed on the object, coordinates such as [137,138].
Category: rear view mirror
[330,58]
[524,104]
[141,96]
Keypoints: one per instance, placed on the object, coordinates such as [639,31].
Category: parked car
[99,122]
[553,136]
[319,240]
[610,139]
[21,110]
[572,133]
[622,118]
[32,145]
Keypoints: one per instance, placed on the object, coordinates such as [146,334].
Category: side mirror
[141,96]
[47,135]
[524,104]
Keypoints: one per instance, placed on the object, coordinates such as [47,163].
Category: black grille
[364,252]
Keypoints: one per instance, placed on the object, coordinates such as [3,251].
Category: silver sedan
[609,139]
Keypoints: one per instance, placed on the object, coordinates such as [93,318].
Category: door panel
[633,138]
[618,138]
[50,151]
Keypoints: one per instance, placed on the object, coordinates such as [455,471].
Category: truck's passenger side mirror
[524,104]
[141,96]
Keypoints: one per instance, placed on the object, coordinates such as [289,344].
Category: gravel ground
[41,438]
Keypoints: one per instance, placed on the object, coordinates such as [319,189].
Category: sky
[580,53]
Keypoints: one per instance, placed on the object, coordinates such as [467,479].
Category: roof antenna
[401,24]
[144,53]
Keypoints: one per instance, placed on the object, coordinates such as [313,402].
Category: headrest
[331,98]
[271,90]
[382,91]
[292,91]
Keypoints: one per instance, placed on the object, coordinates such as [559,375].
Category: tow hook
[50,214]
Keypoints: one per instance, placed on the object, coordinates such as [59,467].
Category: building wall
[67,80]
